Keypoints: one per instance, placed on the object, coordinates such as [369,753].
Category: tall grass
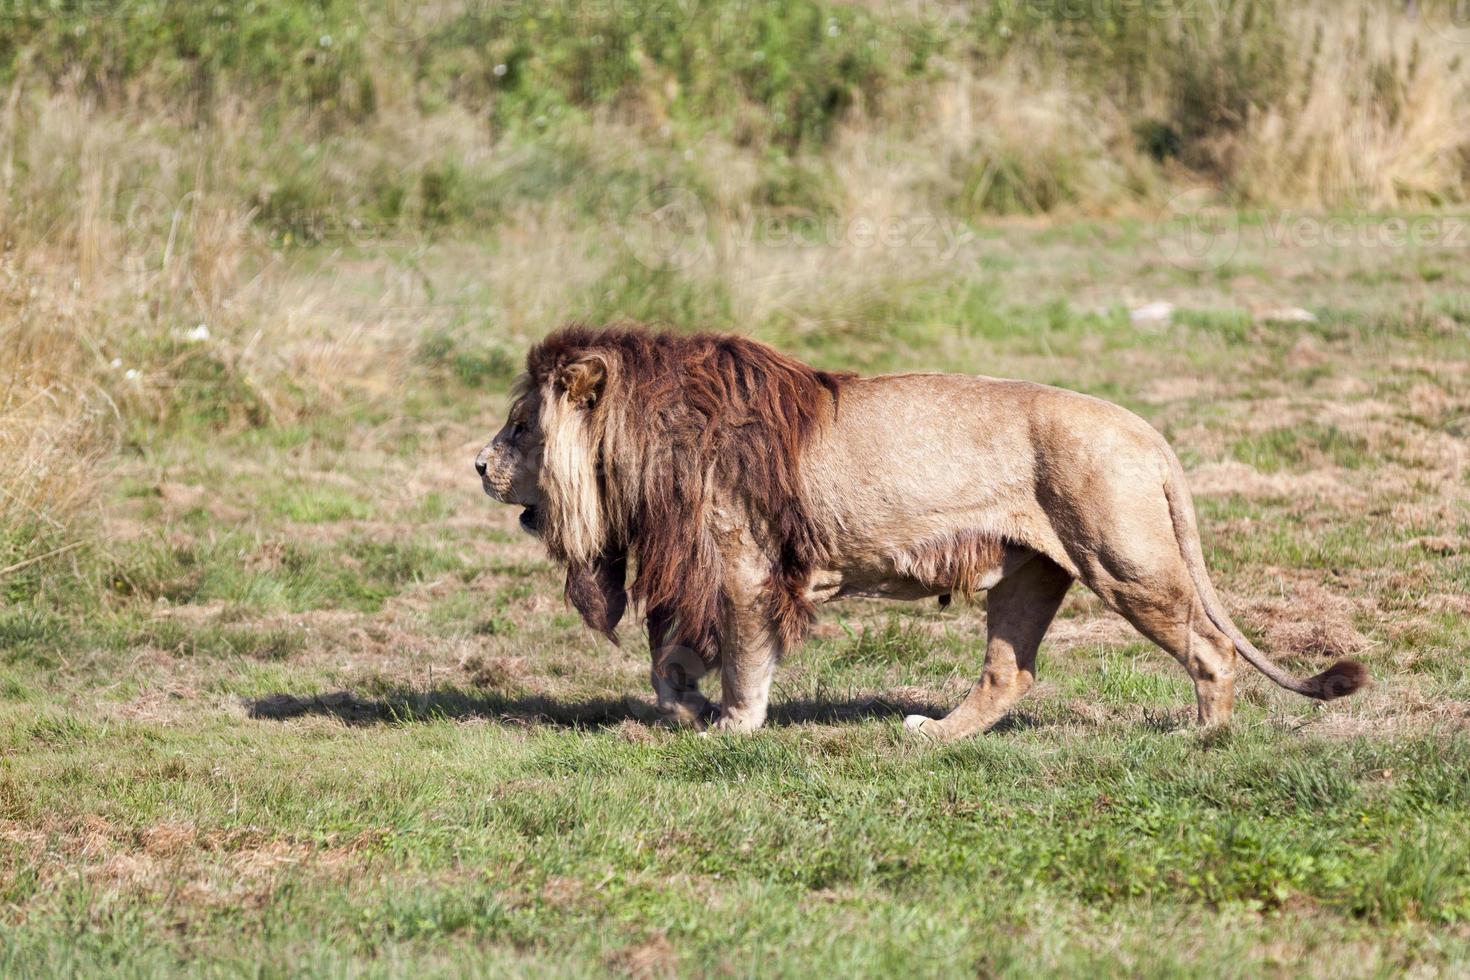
[118,288]
[1376,117]
[52,425]
[430,114]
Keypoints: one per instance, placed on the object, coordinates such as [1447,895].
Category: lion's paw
[731,721]
[696,712]
[915,723]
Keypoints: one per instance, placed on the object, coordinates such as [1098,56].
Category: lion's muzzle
[492,479]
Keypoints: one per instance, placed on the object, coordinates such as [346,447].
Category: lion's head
[554,481]
[510,464]
[619,440]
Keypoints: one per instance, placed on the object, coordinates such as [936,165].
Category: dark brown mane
[683,417]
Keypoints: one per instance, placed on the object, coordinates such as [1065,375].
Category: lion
[744,489]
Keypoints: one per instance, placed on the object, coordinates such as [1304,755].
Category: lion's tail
[1341,679]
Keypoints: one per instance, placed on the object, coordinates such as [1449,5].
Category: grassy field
[308,702]
[282,692]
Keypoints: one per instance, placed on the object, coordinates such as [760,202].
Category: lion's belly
[828,585]
[888,580]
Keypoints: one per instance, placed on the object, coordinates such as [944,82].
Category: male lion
[747,487]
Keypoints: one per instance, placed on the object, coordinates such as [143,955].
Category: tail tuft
[1338,681]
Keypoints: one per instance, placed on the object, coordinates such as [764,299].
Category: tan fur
[568,479]
[747,488]
[960,562]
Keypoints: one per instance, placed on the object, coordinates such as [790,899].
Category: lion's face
[545,459]
[510,466]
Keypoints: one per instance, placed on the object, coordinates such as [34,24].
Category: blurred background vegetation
[161,162]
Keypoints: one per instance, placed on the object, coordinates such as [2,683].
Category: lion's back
[929,442]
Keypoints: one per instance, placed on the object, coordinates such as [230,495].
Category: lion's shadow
[406,705]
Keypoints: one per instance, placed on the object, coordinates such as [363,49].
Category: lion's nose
[480,465]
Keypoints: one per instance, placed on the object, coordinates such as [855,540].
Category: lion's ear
[582,379]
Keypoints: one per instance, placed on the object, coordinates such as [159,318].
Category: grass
[570,848]
[282,692]
[309,703]
[1287,447]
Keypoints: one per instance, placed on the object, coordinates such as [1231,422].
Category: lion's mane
[678,422]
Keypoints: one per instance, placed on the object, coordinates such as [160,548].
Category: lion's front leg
[675,674]
[749,651]
[676,688]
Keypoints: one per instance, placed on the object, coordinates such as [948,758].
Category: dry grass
[129,287]
[53,420]
[1377,117]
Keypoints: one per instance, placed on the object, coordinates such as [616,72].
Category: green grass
[308,703]
[558,849]
[319,505]
[1294,447]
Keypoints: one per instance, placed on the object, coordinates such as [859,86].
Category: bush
[292,54]
[800,66]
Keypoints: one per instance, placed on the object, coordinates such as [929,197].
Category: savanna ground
[282,692]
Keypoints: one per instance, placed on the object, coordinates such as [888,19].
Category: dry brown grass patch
[494,672]
[653,957]
[1311,621]
[1324,487]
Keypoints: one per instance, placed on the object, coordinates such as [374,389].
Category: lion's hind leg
[1160,600]
[1019,608]
[1182,629]
[1119,531]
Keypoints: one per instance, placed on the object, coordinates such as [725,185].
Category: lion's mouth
[531,520]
